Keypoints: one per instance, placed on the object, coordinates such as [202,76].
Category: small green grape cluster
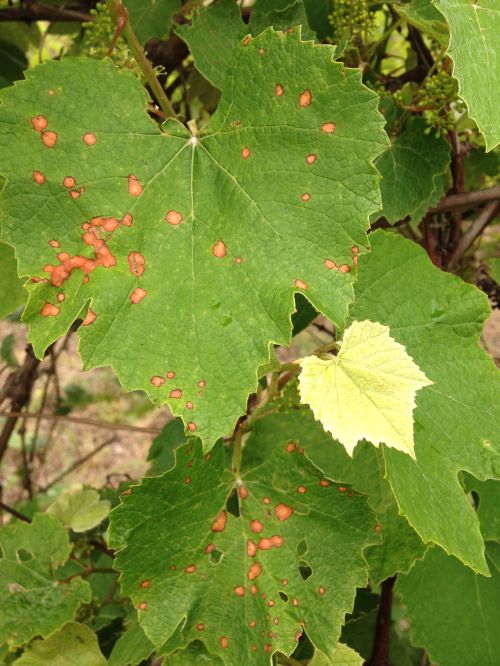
[351,19]
[437,100]
[99,35]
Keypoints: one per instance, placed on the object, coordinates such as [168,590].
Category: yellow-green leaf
[367,391]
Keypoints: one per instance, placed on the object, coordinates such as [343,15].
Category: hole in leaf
[232,504]
[216,556]
[23,555]
[302,548]
[475,499]
[283,596]
[305,570]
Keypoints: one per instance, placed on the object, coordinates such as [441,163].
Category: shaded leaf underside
[189,249]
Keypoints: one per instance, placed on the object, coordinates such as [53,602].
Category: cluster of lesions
[186,395]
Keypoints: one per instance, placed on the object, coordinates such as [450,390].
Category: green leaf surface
[194,655]
[424,16]
[343,656]
[493,265]
[399,545]
[488,510]
[453,612]
[318,12]
[131,648]
[151,18]
[293,555]
[282,176]
[33,601]
[285,18]
[161,454]
[411,169]
[367,391]
[474,30]
[81,510]
[12,291]
[73,645]
[438,318]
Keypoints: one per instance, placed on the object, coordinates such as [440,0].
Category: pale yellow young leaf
[367,391]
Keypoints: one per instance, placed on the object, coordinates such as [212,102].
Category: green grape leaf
[195,653]
[367,391]
[73,644]
[34,602]
[132,648]
[438,318]
[151,18]
[411,169]
[474,29]
[424,16]
[343,656]
[493,266]
[244,584]
[81,510]
[400,545]
[318,12]
[215,32]
[218,28]
[282,176]
[11,287]
[453,612]
[488,493]
[161,453]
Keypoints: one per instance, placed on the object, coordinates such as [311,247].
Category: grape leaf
[474,29]
[194,654]
[453,612]
[410,170]
[438,319]
[80,510]
[161,453]
[73,644]
[424,16]
[151,18]
[33,601]
[343,656]
[283,18]
[132,648]
[318,12]
[400,545]
[367,391]
[488,509]
[241,584]
[282,176]
[11,287]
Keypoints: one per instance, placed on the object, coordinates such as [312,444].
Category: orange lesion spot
[49,310]
[69,182]
[330,264]
[219,250]
[142,606]
[202,383]
[322,590]
[266,500]
[173,217]
[176,394]
[157,381]
[290,447]
[134,186]
[283,512]
[38,177]
[200,626]
[136,263]
[295,602]
[89,318]
[247,40]
[224,642]
[137,295]
[256,526]
[310,159]
[252,624]
[54,243]
[355,249]
[219,524]
[300,284]
[284,582]
[243,492]
[189,405]
[192,426]
[279,90]
[305,98]
[39,123]
[209,548]
[245,153]
[145,584]
[306,196]
[261,52]
[328,128]
[324,484]
[89,138]
[187,480]
[251,548]
[60,297]
[341,489]
[51,92]
[191,568]
[240,590]
[238,260]
[170,374]
[344,268]
[127,219]
[378,528]
[302,490]
[254,571]
[49,138]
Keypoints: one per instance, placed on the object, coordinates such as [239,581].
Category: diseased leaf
[151,18]
[73,644]
[474,29]
[399,545]
[367,391]
[12,291]
[411,171]
[171,236]
[33,602]
[241,584]
[438,318]
[453,612]
[81,510]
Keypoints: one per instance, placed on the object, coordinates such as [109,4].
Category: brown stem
[14,512]
[34,12]
[75,419]
[487,215]
[381,643]
[466,199]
